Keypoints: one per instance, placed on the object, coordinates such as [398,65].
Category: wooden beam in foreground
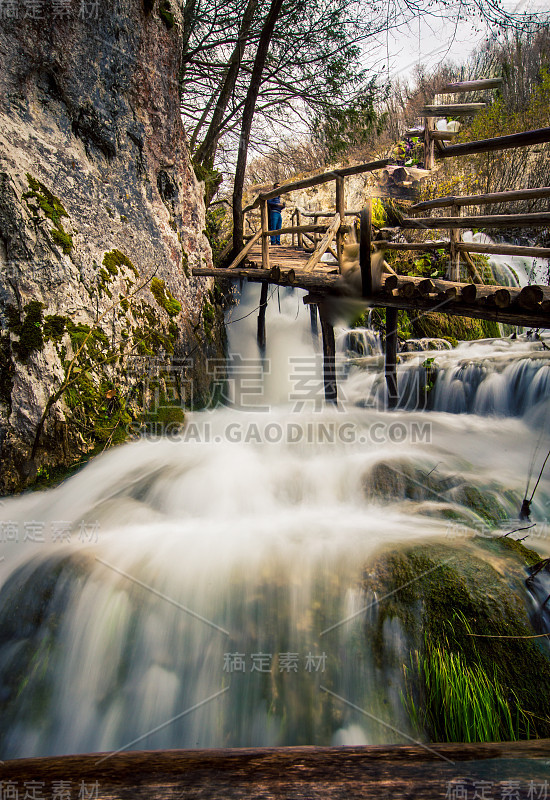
[456,299]
[469,247]
[375,772]
[244,252]
[324,243]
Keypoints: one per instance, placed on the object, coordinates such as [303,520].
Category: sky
[430,42]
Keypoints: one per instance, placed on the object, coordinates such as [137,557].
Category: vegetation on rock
[464,687]
[39,197]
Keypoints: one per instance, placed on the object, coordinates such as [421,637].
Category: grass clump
[462,702]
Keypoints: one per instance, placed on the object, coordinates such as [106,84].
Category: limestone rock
[97,197]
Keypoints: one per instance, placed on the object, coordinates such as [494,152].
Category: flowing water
[187,592]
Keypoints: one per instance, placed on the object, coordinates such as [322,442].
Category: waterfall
[207,590]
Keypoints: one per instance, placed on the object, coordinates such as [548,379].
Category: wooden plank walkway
[393,772]
[285,257]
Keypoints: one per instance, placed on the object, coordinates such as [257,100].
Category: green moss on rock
[435,325]
[208,319]
[114,259]
[54,327]
[29,330]
[63,239]
[166,14]
[52,208]
[50,204]
[164,298]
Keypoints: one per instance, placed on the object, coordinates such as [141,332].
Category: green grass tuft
[459,700]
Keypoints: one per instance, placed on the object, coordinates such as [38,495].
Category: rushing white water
[512,270]
[191,606]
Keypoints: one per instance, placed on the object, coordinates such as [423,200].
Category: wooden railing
[318,238]
[454,224]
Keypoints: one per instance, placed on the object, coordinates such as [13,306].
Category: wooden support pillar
[391,357]
[329,356]
[261,318]
[454,238]
[265,228]
[300,234]
[340,209]
[429,143]
[365,249]
[314,325]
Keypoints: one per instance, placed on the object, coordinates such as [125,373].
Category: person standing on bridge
[275,222]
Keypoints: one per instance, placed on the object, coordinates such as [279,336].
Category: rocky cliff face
[101,221]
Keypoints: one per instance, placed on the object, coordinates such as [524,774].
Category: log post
[340,209]
[292,223]
[265,228]
[391,357]
[454,238]
[429,143]
[329,356]
[261,318]
[314,325]
[300,235]
[365,263]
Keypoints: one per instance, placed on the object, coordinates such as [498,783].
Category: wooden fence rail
[525,139]
[483,199]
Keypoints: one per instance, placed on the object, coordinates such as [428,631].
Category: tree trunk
[207,150]
[189,10]
[248,115]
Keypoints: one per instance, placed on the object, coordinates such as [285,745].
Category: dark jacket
[274,204]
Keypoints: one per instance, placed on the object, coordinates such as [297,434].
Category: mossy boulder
[466,602]
[453,328]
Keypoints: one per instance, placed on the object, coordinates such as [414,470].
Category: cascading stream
[200,598]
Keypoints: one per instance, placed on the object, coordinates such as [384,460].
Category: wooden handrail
[471,86]
[410,245]
[482,199]
[541,219]
[493,248]
[504,249]
[315,180]
[454,109]
[525,139]
[298,229]
[327,213]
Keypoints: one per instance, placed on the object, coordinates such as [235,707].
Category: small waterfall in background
[191,592]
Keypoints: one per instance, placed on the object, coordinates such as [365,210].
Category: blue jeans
[275,224]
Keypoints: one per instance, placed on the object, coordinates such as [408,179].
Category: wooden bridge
[303,264]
